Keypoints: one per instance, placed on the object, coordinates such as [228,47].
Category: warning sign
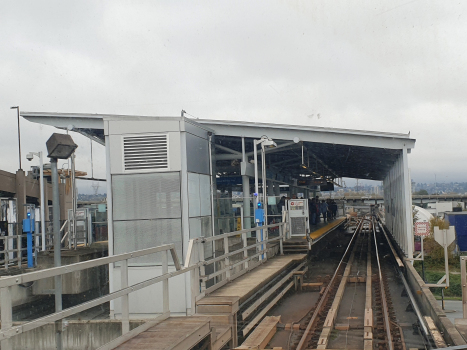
[422,229]
[297,205]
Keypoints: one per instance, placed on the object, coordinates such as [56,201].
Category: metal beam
[228,150]
[279,148]
[311,134]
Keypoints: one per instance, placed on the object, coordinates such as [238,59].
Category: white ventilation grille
[298,226]
[145,152]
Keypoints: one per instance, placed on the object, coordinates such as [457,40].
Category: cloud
[387,66]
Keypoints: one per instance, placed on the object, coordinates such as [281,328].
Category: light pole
[260,213]
[19,135]
[59,146]
[29,157]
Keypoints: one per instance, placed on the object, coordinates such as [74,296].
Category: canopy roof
[328,152]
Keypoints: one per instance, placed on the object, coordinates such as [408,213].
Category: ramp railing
[222,258]
[8,330]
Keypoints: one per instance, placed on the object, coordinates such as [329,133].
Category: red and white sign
[422,229]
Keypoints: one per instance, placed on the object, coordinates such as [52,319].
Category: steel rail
[407,288]
[301,344]
[387,324]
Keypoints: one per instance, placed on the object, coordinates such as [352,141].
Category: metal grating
[298,226]
[146,196]
[145,152]
[140,234]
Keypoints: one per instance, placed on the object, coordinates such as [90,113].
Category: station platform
[326,227]
[300,244]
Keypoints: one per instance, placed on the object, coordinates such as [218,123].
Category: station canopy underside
[327,152]
[319,159]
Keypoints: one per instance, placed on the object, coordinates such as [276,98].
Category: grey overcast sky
[394,66]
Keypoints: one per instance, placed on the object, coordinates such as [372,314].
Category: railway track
[360,263]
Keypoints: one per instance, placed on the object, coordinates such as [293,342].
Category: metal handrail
[58,271]
[236,233]
[8,330]
[7,240]
[195,258]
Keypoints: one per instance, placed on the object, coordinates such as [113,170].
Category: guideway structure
[164,176]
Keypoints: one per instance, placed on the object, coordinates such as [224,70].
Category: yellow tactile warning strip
[323,230]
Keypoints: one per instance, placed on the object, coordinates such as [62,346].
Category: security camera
[29,156]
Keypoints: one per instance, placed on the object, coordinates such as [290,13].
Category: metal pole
[73,195]
[256,173]
[423,259]
[446,267]
[464,291]
[19,136]
[242,220]
[7,316]
[246,191]
[57,249]
[442,298]
[265,199]
[259,233]
[42,200]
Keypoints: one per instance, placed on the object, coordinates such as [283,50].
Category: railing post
[194,275]
[281,240]
[6,249]
[202,269]
[245,252]
[165,283]
[227,260]
[7,315]
[18,248]
[126,298]
[36,250]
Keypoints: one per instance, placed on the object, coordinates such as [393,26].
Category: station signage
[422,229]
[297,205]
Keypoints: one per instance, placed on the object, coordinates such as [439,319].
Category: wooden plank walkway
[262,334]
[177,333]
[173,333]
[244,286]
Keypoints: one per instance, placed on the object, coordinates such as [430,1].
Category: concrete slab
[452,309]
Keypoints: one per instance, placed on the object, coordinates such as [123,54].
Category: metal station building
[171,179]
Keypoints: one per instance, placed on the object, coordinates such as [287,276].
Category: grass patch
[455,288]
[438,297]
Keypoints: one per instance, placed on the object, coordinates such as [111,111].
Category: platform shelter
[175,179]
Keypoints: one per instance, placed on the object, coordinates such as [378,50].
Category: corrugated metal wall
[398,203]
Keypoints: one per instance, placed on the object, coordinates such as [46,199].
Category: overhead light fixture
[303,166]
[267,142]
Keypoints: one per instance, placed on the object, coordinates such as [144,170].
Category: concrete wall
[78,335]
[74,282]
[430,307]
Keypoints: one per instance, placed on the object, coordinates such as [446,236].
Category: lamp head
[29,156]
[267,142]
[60,146]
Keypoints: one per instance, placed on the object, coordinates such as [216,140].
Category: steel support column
[246,191]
